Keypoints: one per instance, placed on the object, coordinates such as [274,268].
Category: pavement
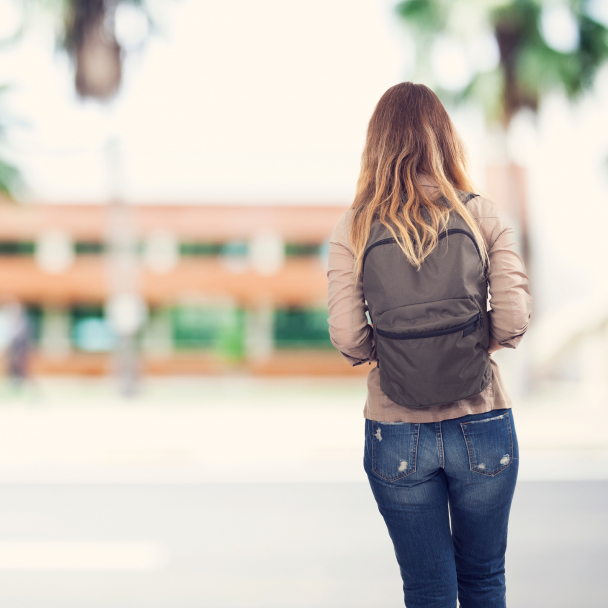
[244,429]
[269,545]
[236,492]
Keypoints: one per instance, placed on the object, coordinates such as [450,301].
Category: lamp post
[125,308]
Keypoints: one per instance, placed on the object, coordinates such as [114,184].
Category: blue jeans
[426,476]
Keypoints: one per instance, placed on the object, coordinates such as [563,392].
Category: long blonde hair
[410,135]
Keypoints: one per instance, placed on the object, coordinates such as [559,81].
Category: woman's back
[509,316]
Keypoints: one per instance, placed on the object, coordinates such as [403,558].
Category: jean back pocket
[489,444]
[394,449]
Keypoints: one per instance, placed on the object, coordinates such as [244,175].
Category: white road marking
[82,555]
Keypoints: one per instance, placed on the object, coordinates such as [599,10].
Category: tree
[10,177]
[93,39]
[507,54]
[95,33]
[542,46]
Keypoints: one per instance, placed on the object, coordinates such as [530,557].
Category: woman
[443,473]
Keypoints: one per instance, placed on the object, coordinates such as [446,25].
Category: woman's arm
[494,346]
[510,298]
[349,329]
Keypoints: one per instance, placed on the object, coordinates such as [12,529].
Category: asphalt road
[283,545]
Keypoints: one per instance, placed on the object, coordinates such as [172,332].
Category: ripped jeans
[428,476]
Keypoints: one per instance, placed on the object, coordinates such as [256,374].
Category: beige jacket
[509,312]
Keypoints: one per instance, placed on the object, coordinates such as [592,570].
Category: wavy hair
[409,136]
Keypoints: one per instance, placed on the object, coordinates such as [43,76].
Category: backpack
[430,326]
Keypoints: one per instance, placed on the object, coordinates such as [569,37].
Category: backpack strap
[468,196]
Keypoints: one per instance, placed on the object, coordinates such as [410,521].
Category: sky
[248,101]
[267,101]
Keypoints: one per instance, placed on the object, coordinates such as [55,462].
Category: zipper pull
[480,320]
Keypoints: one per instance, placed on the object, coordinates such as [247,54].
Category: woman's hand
[494,346]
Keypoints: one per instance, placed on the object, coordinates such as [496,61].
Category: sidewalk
[255,545]
[240,429]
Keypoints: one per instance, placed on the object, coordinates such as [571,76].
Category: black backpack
[430,326]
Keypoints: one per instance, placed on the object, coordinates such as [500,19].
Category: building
[216,286]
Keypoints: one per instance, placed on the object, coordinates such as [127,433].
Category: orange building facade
[217,287]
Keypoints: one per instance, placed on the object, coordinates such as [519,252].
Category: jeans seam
[440,445]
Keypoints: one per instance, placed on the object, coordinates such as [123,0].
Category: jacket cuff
[353,361]
[512,342]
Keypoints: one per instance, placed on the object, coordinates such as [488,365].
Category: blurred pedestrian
[419,251]
[18,346]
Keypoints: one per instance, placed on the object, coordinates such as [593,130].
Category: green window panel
[301,249]
[302,328]
[89,247]
[17,248]
[220,330]
[235,248]
[90,331]
[34,315]
[200,249]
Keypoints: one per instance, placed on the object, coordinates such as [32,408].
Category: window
[200,249]
[10,248]
[91,332]
[301,249]
[89,247]
[197,327]
[302,328]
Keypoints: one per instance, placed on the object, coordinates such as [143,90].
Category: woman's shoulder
[339,234]
[482,207]
[490,219]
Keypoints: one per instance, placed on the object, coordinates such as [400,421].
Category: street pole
[124,308]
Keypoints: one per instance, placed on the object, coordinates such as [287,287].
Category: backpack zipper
[433,332]
[441,236]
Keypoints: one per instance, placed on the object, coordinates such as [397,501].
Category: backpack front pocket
[432,352]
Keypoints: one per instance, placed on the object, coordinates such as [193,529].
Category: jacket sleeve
[510,297]
[349,329]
